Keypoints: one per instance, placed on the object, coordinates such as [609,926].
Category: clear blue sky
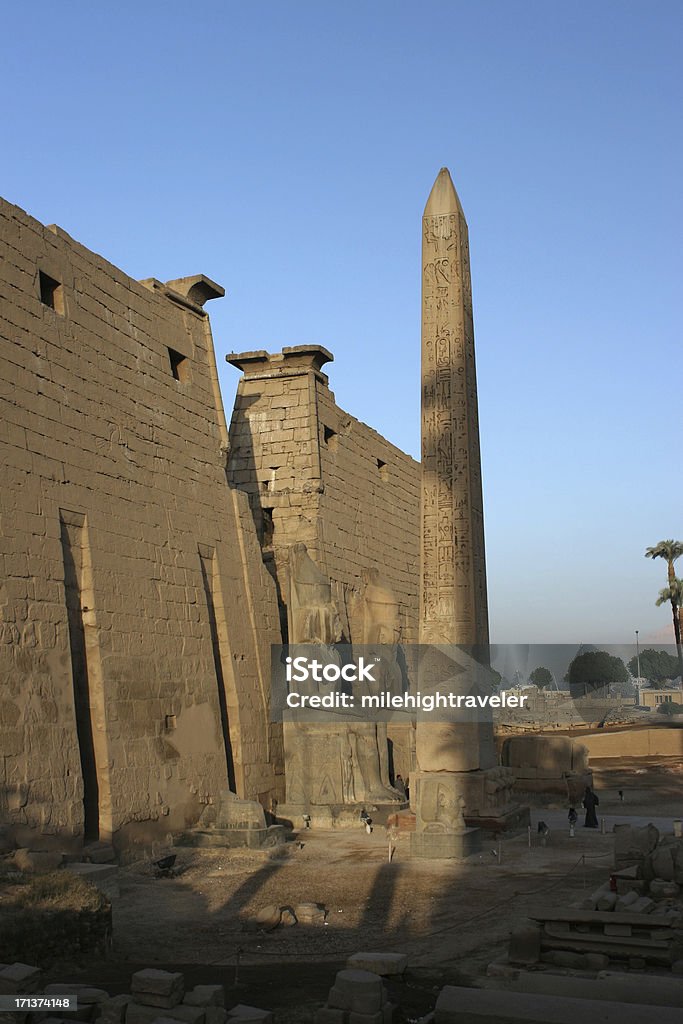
[286,149]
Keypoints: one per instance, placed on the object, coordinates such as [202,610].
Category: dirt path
[452,919]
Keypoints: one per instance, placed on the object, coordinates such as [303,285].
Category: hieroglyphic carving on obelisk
[453,605]
[452,757]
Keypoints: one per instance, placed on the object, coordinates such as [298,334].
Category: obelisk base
[440,829]
[445,845]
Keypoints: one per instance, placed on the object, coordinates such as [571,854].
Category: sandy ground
[452,919]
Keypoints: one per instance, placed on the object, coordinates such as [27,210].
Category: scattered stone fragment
[157,988]
[138,1013]
[596,961]
[660,888]
[643,905]
[20,979]
[633,845]
[625,902]
[590,902]
[215,1015]
[251,1013]
[205,995]
[607,901]
[287,917]
[361,991]
[113,1011]
[267,919]
[310,913]
[564,958]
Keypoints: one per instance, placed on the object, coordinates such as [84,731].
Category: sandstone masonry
[135,612]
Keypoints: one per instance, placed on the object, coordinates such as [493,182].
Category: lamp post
[638,663]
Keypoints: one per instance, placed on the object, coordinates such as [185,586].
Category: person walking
[590,802]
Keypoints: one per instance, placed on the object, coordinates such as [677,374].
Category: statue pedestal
[445,845]
[339,816]
[233,822]
[455,809]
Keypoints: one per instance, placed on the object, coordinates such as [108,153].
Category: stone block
[596,961]
[361,991]
[113,1011]
[378,963]
[85,993]
[618,930]
[146,1013]
[165,985]
[251,1013]
[662,863]
[205,995]
[643,905]
[472,1006]
[20,979]
[310,913]
[266,919]
[625,902]
[661,889]
[633,845]
[564,958]
[215,1015]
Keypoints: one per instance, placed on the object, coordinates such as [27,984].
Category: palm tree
[670,550]
[674,594]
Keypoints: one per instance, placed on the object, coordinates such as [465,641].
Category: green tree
[541,677]
[595,669]
[669,708]
[654,665]
[670,550]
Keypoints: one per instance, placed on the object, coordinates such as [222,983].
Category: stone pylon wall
[135,611]
[316,475]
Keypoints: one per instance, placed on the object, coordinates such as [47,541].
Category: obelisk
[452,757]
[453,605]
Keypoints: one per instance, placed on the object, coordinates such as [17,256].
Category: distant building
[655,698]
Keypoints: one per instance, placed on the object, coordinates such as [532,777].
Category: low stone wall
[55,917]
[661,742]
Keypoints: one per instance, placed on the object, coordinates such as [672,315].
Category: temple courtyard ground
[451,919]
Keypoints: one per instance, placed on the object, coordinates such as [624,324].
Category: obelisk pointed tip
[443,198]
